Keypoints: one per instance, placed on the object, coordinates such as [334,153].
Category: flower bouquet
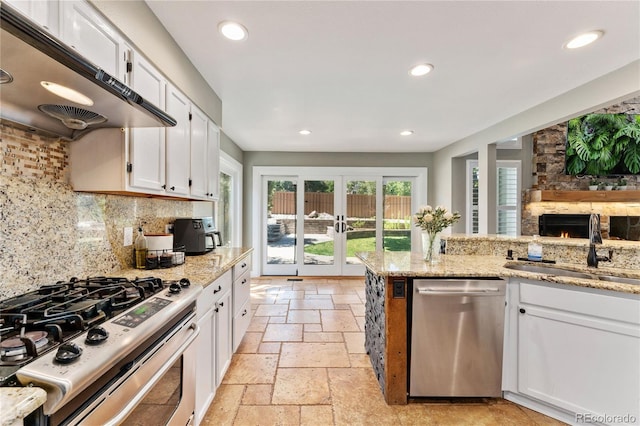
[432,222]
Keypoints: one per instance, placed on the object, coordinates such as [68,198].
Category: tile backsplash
[48,232]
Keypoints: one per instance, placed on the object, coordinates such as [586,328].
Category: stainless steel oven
[135,366]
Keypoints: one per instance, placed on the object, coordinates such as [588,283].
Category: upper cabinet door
[42,12]
[199,122]
[84,29]
[147,145]
[213,161]
[178,146]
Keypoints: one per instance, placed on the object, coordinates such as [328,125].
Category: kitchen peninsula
[389,277]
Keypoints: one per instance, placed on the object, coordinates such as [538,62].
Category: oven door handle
[122,415]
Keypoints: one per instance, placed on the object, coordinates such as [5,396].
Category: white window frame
[231,167]
[469,193]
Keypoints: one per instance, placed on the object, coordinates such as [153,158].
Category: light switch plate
[128,236]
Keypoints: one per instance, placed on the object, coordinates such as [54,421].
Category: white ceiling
[340,68]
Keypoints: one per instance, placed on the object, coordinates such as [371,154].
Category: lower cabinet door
[224,349]
[583,364]
[205,364]
[241,323]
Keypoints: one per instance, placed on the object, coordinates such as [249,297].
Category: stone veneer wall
[548,174]
[48,232]
[375,342]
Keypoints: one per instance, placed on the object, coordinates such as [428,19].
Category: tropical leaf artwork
[603,144]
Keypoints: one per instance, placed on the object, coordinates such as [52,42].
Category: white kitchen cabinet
[177,143]
[213,161]
[573,351]
[213,354]
[241,300]
[199,141]
[224,349]
[147,157]
[42,12]
[87,31]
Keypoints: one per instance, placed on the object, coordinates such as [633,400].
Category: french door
[313,223]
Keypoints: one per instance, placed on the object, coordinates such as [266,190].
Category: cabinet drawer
[212,293]
[240,324]
[241,267]
[241,291]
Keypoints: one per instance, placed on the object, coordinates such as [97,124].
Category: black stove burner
[34,323]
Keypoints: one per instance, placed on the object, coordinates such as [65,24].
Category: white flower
[428,217]
[428,208]
[448,215]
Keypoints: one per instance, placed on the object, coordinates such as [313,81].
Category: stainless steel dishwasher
[457,327]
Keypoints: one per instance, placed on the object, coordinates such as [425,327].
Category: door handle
[344,227]
[336,227]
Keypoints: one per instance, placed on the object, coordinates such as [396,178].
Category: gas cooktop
[34,323]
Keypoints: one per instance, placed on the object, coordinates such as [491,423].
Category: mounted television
[603,145]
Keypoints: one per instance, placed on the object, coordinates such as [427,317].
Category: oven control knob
[96,335]
[68,352]
[174,288]
[184,282]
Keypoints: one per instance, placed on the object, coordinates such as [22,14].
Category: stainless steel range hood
[28,56]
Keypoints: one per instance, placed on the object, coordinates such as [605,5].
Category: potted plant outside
[594,184]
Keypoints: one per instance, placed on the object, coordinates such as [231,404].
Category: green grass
[391,243]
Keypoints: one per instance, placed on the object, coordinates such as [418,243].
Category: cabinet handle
[218,290]
[164,186]
[244,281]
[522,310]
[173,188]
[244,265]
[244,312]
[221,304]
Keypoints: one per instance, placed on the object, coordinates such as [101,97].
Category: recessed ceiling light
[584,39]
[233,30]
[421,69]
[305,132]
[67,93]
[406,133]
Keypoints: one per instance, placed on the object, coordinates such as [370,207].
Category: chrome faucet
[595,237]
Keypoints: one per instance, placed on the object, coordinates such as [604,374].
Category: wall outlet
[128,236]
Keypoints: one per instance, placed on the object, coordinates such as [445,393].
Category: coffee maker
[197,235]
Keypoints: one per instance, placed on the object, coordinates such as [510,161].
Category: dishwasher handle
[428,291]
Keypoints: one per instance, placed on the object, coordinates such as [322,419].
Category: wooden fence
[358,205]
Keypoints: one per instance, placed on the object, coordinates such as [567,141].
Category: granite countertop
[406,264]
[17,403]
[202,269]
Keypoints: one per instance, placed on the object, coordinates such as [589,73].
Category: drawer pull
[218,290]
[244,265]
[244,281]
[244,312]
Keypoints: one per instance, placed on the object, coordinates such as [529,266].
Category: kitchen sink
[550,270]
[623,280]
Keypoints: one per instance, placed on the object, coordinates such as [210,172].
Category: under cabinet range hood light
[32,59]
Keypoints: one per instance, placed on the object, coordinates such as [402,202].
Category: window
[507,197]
[229,205]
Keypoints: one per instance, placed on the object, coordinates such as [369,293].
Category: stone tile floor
[302,362]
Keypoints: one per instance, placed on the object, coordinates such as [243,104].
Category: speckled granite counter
[18,403]
[200,270]
[405,264]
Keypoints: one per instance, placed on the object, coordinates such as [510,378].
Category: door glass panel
[319,233]
[397,215]
[361,218]
[281,222]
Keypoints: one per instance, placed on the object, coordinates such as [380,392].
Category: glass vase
[431,246]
